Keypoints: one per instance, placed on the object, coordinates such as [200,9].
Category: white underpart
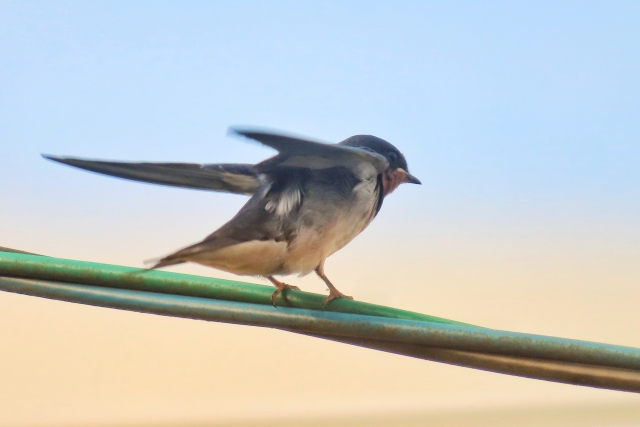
[256,257]
[289,199]
[338,227]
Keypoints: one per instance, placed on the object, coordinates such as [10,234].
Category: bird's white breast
[327,224]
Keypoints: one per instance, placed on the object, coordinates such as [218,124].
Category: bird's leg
[333,291]
[279,288]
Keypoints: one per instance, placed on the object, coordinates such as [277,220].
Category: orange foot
[334,294]
[279,288]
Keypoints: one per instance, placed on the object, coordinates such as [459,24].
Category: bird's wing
[229,178]
[301,153]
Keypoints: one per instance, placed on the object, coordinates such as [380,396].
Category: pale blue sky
[522,119]
[505,110]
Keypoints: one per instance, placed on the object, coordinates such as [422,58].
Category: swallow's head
[398,171]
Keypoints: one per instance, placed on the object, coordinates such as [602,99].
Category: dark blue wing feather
[229,178]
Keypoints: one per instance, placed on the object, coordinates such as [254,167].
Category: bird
[306,202]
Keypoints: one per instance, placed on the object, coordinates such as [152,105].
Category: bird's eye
[392,156]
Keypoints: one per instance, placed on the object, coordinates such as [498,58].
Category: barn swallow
[307,202]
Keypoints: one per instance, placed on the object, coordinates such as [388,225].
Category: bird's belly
[255,258]
[314,244]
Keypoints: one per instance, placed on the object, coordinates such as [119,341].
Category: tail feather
[185,255]
[165,262]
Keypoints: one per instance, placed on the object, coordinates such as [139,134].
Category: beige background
[66,364]
[520,118]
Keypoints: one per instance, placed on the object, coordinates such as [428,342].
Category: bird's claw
[334,295]
[279,288]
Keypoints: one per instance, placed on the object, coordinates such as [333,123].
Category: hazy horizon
[521,120]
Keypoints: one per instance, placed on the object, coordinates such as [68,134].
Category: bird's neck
[391,180]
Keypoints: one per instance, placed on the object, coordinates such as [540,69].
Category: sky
[520,118]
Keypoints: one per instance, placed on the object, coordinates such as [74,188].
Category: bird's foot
[334,294]
[279,288]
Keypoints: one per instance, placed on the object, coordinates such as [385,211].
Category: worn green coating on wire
[375,327]
[105,275]
[460,337]
[534,356]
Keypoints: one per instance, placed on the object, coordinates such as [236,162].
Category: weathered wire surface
[351,322]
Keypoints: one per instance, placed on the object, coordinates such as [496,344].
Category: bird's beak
[408,178]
